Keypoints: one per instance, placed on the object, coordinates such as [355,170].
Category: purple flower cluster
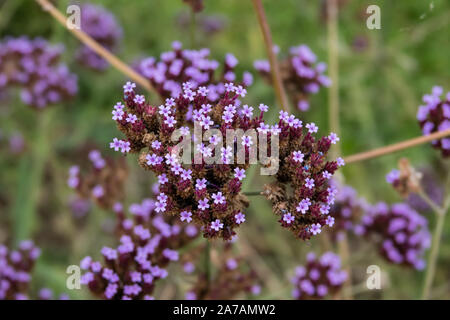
[15,270]
[401,233]
[434,116]
[147,245]
[303,169]
[34,66]
[103,27]
[103,182]
[208,194]
[320,277]
[301,74]
[193,66]
[347,209]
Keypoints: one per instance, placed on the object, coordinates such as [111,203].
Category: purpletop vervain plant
[322,276]
[103,27]
[434,116]
[301,74]
[400,232]
[34,66]
[193,66]
[305,171]
[15,270]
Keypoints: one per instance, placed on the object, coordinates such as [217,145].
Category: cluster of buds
[103,181]
[401,233]
[301,74]
[103,27]
[233,278]
[34,66]
[15,270]
[320,277]
[193,66]
[405,179]
[434,116]
[304,169]
[347,209]
[207,190]
[147,245]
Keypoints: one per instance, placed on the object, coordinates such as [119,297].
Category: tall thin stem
[396,147]
[440,212]
[432,258]
[333,61]
[97,48]
[274,67]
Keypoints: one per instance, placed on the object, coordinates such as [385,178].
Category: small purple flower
[247,111]
[132,118]
[139,99]
[239,218]
[239,173]
[218,198]
[263,107]
[329,221]
[298,156]
[129,87]
[312,128]
[170,121]
[333,138]
[303,205]
[309,183]
[186,174]
[98,191]
[340,162]
[216,225]
[200,184]
[247,141]
[288,218]
[186,216]
[203,204]
[156,145]
[316,228]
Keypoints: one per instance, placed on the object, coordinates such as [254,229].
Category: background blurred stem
[25,206]
[440,212]
[334,126]
[396,147]
[275,70]
[97,48]
[434,253]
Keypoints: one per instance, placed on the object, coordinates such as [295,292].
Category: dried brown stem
[275,69]
[396,147]
[97,48]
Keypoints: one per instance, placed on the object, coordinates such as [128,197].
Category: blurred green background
[381,85]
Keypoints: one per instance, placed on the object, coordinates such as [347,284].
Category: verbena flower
[34,66]
[305,172]
[346,211]
[210,192]
[434,116]
[194,66]
[320,277]
[103,180]
[15,270]
[148,244]
[103,27]
[400,232]
[301,73]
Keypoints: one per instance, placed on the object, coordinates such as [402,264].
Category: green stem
[24,209]
[432,258]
